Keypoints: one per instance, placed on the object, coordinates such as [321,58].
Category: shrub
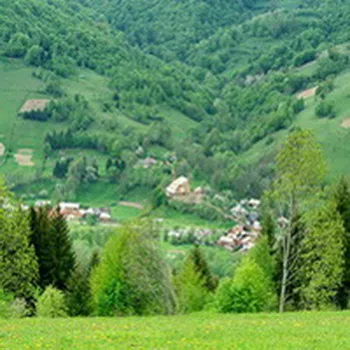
[249,290]
[51,304]
[5,302]
[325,110]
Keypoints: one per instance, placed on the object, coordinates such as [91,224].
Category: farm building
[179,187]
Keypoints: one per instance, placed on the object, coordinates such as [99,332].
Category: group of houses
[243,236]
[74,211]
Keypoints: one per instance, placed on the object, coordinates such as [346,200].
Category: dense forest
[232,70]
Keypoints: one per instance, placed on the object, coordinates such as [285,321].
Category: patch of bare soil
[308,93]
[34,105]
[24,157]
[346,123]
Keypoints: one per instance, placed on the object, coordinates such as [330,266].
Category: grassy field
[196,331]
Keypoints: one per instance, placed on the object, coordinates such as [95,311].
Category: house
[105,217]
[239,212]
[69,206]
[179,187]
[254,203]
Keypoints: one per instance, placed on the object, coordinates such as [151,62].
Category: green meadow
[323,330]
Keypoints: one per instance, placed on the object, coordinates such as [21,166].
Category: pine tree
[322,257]
[18,263]
[341,196]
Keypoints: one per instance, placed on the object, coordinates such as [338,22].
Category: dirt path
[132,205]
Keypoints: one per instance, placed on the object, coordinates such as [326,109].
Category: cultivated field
[197,331]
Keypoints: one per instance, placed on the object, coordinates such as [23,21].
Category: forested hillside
[206,88]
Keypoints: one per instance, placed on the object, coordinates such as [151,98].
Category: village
[245,215]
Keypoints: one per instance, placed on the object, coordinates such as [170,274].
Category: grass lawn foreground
[322,330]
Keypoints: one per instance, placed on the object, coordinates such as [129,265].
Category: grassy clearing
[196,331]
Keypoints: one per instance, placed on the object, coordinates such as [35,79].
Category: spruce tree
[321,258]
[63,254]
[53,247]
[78,294]
[197,257]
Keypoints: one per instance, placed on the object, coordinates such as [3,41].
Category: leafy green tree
[51,304]
[341,196]
[35,56]
[300,172]
[322,257]
[18,263]
[18,45]
[132,277]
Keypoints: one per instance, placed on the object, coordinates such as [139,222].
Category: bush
[5,302]
[51,304]
[249,290]
[325,110]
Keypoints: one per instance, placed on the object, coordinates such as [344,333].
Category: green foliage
[341,196]
[248,291]
[196,255]
[51,304]
[300,167]
[5,302]
[78,294]
[53,247]
[325,110]
[322,258]
[18,263]
[132,277]
[192,295]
